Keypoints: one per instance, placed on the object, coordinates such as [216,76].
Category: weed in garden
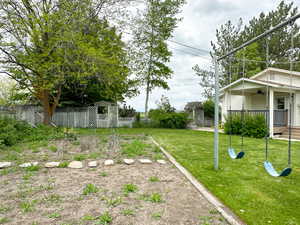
[32,168]
[213,211]
[133,149]
[53,198]
[88,218]
[89,189]
[27,176]
[28,206]
[76,143]
[104,219]
[156,215]
[205,220]
[129,188]
[53,148]
[95,155]
[35,150]
[113,202]
[63,165]
[154,179]
[4,209]
[128,212]
[4,220]
[54,215]
[80,157]
[154,198]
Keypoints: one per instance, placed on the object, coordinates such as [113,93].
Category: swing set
[231,151]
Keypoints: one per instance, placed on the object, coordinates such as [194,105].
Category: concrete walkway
[208,129]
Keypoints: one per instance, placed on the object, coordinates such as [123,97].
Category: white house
[252,92]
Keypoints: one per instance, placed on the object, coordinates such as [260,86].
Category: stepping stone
[161,161]
[145,161]
[128,161]
[25,165]
[109,162]
[75,165]
[93,164]
[5,164]
[52,164]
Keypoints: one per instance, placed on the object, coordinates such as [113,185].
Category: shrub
[172,120]
[209,108]
[13,131]
[254,126]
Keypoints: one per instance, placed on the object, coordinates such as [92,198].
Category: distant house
[253,93]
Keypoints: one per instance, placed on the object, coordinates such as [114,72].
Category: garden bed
[118,194]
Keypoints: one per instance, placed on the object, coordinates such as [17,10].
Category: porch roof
[259,82]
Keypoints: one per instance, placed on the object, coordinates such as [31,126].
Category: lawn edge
[222,209]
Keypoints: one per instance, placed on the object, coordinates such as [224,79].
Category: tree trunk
[147,100]
[46,108]
[49,106]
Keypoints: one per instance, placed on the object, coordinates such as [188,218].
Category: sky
[198,27]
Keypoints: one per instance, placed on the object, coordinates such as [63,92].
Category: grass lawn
[243,185]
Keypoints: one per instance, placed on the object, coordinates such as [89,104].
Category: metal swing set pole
[216,65]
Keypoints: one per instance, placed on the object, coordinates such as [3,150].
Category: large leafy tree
[154,27]
[230,36]
[46,43]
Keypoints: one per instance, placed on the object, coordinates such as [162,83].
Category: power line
[188,46]
[190,53]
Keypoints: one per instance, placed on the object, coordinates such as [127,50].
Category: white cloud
[201,18]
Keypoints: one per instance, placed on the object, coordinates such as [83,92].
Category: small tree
[155,27]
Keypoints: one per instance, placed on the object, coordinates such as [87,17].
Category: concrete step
[293,136]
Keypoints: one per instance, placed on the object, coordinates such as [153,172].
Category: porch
[261,99]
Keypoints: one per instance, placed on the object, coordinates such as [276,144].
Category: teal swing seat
[233,155]
[270,169]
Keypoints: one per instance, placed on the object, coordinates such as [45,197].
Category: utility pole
[216,134]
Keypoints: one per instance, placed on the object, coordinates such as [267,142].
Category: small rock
[52,164]
[24,165]
[128,161]
[93,164]
[161,161]
[75,165]
[109,162]
[35,163]
[5,164]
[145,161]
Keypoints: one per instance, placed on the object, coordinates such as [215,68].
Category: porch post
[271,112]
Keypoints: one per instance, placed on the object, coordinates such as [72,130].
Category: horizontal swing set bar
[216,62]
[267,33]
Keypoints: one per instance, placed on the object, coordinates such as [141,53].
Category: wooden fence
[83,117]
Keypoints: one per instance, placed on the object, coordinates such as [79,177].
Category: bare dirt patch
[120,194]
